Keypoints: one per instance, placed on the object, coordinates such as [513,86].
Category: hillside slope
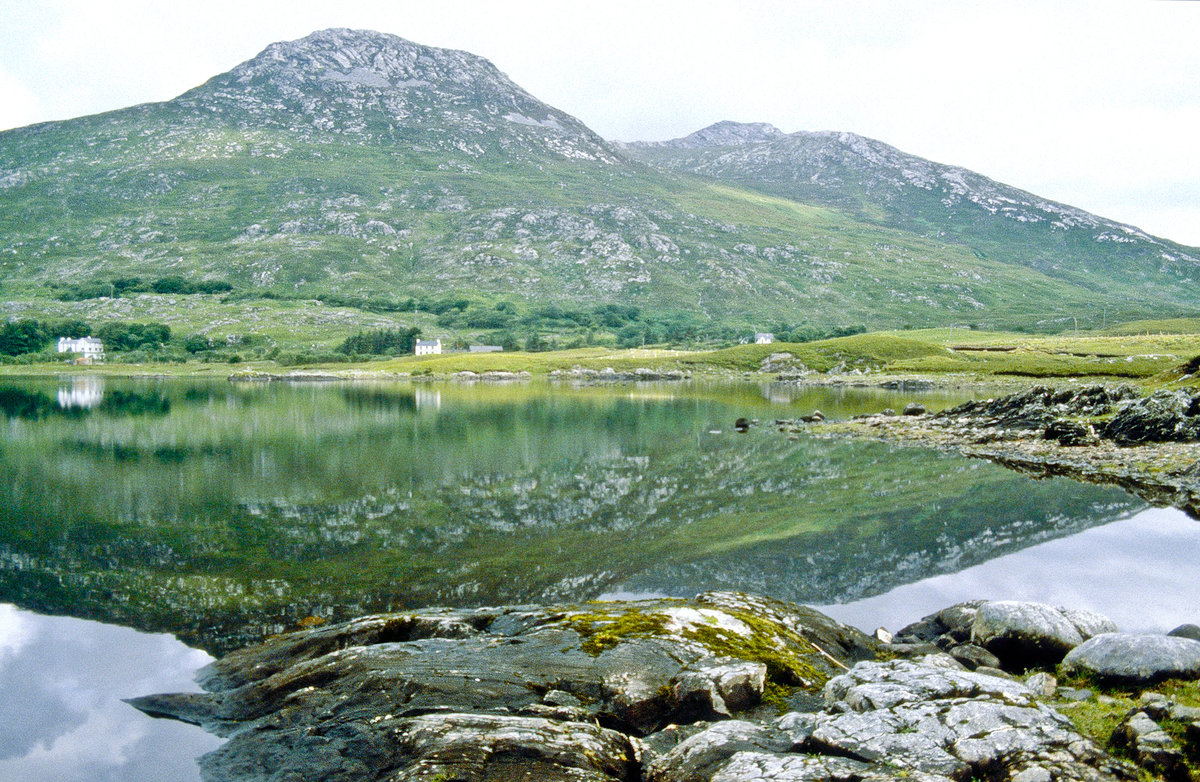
[880,184]
[359,165]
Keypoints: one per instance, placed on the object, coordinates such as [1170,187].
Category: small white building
[428,347]
[764,338]
[88,349]
[485,348]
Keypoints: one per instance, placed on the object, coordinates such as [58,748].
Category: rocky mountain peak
[724,134]
[368,59]
[381,87]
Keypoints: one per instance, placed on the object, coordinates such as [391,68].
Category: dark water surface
[219,513]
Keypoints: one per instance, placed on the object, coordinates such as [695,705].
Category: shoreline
[1163,472]
[719,688]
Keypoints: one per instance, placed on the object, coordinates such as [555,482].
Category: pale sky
[1095,103]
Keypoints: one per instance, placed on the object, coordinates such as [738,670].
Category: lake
[218,513]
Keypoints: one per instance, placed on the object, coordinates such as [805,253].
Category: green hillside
[394,182]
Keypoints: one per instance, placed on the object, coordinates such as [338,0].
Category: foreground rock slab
[507,693]
[647,691]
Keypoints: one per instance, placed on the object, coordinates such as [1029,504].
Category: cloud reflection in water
[1141,573]
[61,715]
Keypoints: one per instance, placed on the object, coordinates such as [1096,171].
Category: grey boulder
[1030,635]
[1136,659]
[1186,631]
[956,724]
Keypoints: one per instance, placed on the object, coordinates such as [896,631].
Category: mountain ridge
[815,166]
[363,167]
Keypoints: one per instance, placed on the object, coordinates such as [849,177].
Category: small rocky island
[724,687]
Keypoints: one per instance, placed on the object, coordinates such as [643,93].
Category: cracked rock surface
[647,691]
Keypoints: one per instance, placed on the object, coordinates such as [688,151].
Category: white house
[764,338]
[428,347]
[485,348]
[89,349]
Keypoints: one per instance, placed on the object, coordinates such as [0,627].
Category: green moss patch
[1098,717]
[792,662]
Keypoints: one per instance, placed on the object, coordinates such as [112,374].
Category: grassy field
[1152,352]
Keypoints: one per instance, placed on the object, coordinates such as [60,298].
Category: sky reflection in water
[62,680]
[61,714]
[1142,573]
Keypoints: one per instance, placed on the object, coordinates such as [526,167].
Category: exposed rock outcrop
[514,686]
[653,691]
[1149,446]
[610,375]
[1153,749]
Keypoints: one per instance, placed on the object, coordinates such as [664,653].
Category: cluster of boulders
[1015,636]
[491,376]
[719,688]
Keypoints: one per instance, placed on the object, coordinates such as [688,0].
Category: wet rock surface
[719,688]
[506,693]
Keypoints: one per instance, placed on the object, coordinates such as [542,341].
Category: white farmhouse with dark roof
[89,349]
[428,347]
[764,338]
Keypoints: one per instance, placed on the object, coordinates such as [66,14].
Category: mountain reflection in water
[224,512]
[61,714]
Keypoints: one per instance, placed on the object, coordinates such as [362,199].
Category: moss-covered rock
[377,689]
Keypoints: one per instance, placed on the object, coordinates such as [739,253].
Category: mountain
[361,169]
[720,134]
[880,184]
[381,89]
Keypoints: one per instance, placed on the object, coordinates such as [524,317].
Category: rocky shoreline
[722,687]
[576,375]
[1147,445]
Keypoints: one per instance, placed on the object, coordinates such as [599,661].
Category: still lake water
[217,513]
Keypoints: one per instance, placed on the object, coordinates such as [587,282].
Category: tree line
[29,335]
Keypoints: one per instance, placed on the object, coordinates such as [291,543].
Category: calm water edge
[217,513]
